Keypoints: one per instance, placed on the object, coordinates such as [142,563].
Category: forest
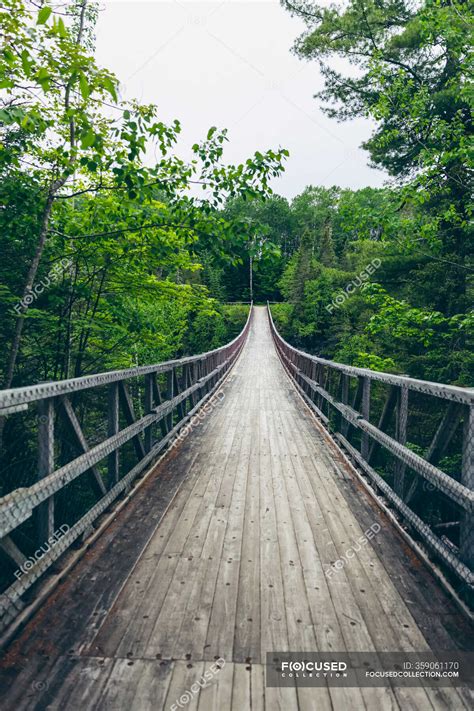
[110,259]
[118,252]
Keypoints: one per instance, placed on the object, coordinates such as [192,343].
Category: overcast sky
[228,63]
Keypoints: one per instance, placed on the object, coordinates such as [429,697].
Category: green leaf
[26,62]
[27,122]
[88,139]
[43,15]
[9,56]
[84,86]
[110,87]
[62,31]
[13,115]
[43,78]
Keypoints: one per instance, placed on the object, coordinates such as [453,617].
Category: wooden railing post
[45,511]
[113,461]
[159,401]
[178,387]
[319,378]
[193,376]
[169,396]
[200,371]
[401,418]
[314,370]
[365,412]
[308,370]
[149,377]
[343,423]
[466,533]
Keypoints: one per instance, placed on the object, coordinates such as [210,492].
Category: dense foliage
[407,65]
[354,290]
[102,249]
[111,258]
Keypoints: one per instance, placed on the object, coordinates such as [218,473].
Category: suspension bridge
[181,520]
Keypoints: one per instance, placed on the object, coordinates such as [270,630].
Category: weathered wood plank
[205,540]
[185,675]
[217,692]
[237,567]
[274,631]
[247,629]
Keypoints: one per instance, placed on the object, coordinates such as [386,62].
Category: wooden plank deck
[234,568]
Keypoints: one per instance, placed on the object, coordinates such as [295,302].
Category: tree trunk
[30,280]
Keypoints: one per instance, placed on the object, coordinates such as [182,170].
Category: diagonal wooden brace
[75,428]
[127,407]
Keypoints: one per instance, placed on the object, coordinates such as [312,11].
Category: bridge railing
[413,439]
[94,435]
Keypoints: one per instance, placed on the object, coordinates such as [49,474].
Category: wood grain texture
[236,566]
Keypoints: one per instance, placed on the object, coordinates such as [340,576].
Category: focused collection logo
[369,669]
[313,667]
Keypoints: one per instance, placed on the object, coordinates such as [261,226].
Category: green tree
[413,65]
[58,136]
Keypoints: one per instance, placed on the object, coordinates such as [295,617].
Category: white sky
[228,64]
